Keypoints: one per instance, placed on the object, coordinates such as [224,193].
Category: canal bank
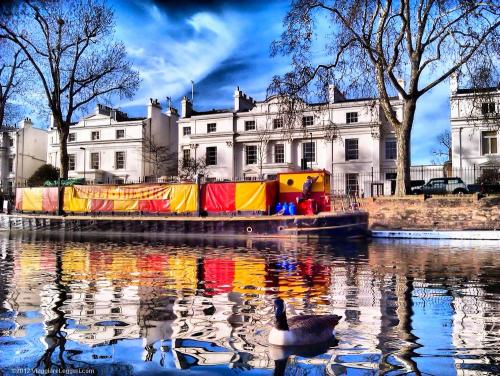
[438,213]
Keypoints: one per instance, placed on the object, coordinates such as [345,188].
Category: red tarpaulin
[49,199]
[154,206]
[101,206]
[19,199]
[219,197]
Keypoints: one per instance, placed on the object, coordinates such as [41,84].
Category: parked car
[441,186]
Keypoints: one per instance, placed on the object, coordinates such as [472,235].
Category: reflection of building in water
[95,300]
[474,329]
[32,290]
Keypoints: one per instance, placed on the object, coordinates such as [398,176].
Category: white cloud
[171,53]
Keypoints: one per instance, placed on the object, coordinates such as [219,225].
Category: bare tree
[11,81]
[160,158]
[71,49]
[442,153]
[190,167]
[374,47]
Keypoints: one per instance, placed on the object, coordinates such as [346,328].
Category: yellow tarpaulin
[124,192]
[126,205]
[294,182]
[74,204]
[251,196]
[184,198]
[32,199]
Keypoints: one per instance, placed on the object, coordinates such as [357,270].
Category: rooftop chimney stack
[242,102]
[454,83]
[26,123]
[186,107]
[334,94]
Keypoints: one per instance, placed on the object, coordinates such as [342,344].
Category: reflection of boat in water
[237,209]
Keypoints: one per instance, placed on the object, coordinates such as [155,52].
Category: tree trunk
[63,148]
[403,138]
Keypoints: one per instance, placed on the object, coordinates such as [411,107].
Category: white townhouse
[249,140]
[108,146]
[475,126]
[23,150]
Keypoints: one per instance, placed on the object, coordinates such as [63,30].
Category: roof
[478,90]
[213,111]
[8,128]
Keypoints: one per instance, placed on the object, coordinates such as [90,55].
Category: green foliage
[45,172]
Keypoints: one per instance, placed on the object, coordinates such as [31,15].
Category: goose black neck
[281,322]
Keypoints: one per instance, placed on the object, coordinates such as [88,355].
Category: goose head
[280,314]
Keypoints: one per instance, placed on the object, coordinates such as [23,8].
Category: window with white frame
[11,141]
[390,148]
[351,184]
[251,154]
[186,156]
[351,149]
[71,162]
[307,121]
[120,133]
[250,125]
[211,156]
[11,164]
[119,160]
[211,127]
[95,135]
[72,137]
[186,131]
[489,143]
[488,108]
[277,123]
[279,153]
[309,151]
[351,117]
[94,161]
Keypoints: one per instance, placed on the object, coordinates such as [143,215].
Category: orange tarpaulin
[178,198]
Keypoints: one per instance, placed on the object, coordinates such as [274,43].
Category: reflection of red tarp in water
[218,275]
[152,263]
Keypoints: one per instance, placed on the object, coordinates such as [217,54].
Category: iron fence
[361,183]
[424,179]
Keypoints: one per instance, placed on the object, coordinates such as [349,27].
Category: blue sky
[222,44]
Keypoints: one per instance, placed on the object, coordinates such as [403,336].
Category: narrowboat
[271,208]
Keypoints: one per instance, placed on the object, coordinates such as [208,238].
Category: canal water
[151,306]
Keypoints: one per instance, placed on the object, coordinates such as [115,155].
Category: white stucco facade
[249,127]
[475,127]
[108,146]
[23,150]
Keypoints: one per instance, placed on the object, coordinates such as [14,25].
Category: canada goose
[300,330]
